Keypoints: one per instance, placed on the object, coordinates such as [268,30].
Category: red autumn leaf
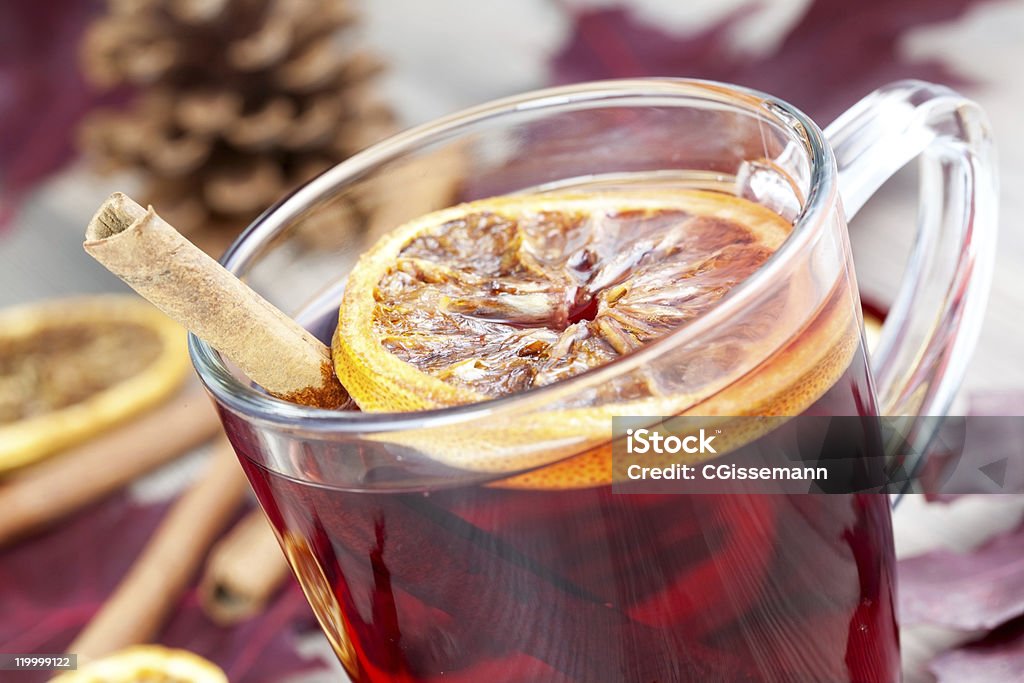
[52,583]
[835,54]
[996,658]
[969,591]
[43,94]
[260,650]
[991,460]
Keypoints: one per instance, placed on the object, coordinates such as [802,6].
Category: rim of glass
[254,404]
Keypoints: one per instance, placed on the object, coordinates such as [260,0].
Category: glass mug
[421,570]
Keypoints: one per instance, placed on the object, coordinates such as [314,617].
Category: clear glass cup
[463,544]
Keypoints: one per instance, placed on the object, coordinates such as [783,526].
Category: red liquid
[481,584]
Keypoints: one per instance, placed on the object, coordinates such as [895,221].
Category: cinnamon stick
[140,604]
[244,570]
[47,491]
[176,276]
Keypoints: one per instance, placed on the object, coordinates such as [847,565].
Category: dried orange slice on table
[71,368]
[149,663]
[507,294]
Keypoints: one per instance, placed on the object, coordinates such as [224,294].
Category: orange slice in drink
[71,368]
[513,293]
[149,663]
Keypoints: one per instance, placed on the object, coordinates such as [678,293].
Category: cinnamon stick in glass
[153,586]
[185,283]
[243,572]
[46,491]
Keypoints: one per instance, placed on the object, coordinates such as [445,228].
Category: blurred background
[214,109]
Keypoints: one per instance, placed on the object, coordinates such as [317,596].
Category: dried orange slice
[511,293]
[149,663]
[72,368]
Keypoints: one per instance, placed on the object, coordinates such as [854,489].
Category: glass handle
[934,322]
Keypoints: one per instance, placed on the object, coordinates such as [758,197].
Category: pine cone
[238,102]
